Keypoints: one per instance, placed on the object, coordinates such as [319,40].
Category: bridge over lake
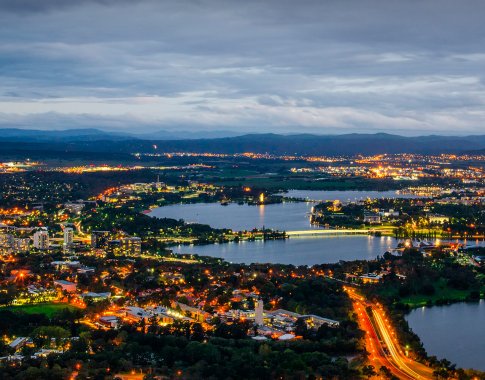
[330,232]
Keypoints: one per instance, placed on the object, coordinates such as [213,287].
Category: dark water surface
[296,251]
[455,332]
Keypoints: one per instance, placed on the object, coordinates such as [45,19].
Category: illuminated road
[412,368]
[382,344]
[332,232]
[322,232]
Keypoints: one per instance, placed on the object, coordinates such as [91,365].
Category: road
[382,344]
[332,232]
[326,232]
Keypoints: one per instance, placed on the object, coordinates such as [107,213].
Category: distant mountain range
[92,134]
[37,135]
[93,140]
[186,135]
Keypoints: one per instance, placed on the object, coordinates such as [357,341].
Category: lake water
[287,216]
[344,195]
[296,251]
[455,332]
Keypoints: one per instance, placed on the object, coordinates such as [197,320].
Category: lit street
[382,344]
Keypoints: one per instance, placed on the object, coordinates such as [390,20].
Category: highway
[382,344]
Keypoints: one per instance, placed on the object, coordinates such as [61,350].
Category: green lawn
[442,292]
[49,309]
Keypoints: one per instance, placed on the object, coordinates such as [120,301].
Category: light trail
[394,351]
[394,359]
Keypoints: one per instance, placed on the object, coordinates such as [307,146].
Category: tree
[197,332]
[385,372]
[44,335]
[369,371]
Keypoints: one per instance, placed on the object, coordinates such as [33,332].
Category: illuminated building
[6,243]
[126,245]
[21,244]
[370,217]
[258,312]
[131,245]
[41,239]
[439,219]
[75,208]
[67,286]
[68,237]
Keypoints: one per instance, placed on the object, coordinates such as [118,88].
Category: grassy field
[48,309]
[442,293]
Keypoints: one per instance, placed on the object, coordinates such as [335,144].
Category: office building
[41,239]
[131,246]
[68,237]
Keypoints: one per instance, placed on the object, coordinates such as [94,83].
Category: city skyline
[312,67]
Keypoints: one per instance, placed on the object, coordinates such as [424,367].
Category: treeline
[131,221]
[438,278]
[176,356]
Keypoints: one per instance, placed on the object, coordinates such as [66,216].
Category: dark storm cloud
[409,67]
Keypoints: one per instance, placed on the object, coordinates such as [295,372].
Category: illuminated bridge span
[327,232]
[330,232]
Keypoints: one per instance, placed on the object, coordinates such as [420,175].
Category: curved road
[382,344]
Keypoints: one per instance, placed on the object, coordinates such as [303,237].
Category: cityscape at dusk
[208,189]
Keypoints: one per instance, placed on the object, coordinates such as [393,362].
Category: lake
[455,332]
[286,216]
[344,195]
[296,251]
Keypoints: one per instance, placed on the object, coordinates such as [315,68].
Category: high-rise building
[258,312]
[41,239]
[68,237]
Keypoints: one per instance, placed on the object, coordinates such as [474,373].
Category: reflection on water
[283,216]
[296,251]
[344,196]
[261,209]
[455,332]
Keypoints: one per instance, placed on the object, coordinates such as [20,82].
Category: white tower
[258,312]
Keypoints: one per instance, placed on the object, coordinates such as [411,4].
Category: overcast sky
[329,66]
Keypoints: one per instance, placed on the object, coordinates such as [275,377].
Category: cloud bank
[414,67]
